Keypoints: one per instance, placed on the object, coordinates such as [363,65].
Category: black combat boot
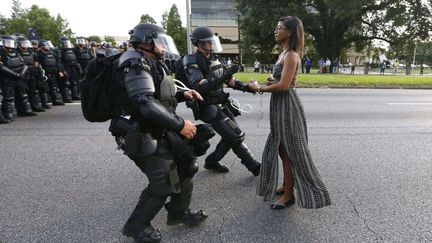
[138,225]
[75,93]
[44,101]
[188,218]
[212,161]
[9,108]
[3,120]
[147,235]
[247,159]
[57,98]
[25,107]
[36,103]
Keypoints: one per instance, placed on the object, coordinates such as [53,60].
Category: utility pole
[415,52]
[188,26]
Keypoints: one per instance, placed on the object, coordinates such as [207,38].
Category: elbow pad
[152,110]
[138,82]
[8,71]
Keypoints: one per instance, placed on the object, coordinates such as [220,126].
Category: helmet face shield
[25,44]
[211,44]
[81,41]
[67,44]
[166,43]
[47,45]
[9,43]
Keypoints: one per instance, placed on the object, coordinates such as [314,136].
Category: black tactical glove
[239,85]
[229,72]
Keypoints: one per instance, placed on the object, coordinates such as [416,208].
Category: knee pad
[162,175]
[192,169]
[229,131]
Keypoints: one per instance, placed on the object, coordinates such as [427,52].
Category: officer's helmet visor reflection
[211,44]
[166,44]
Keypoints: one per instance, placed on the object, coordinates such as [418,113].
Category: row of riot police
[34,74]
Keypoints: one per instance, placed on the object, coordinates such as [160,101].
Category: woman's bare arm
[290,63]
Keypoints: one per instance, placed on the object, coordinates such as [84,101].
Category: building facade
[221,17]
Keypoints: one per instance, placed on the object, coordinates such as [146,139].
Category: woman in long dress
[288,131]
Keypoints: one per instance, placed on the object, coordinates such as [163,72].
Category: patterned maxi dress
[288,127]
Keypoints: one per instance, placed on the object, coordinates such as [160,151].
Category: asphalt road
[62,179]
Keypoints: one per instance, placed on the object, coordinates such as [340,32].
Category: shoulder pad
[189,60]
[131,54]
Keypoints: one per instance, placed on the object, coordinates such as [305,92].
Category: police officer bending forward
[205,73]
[150,98]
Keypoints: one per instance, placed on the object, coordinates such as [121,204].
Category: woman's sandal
[277,206]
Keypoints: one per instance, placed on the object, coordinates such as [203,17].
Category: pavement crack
[377,237]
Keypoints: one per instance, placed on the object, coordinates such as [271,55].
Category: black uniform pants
[232,137]
[165,179]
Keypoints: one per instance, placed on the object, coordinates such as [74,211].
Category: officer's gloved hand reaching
[229,72]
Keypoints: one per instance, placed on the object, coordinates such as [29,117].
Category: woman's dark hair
[296,40]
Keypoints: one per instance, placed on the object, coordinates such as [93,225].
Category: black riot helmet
[46,45]
[8,42]
[201,35]
[23,43]
[34,42]
[81,41]
[155,35]
[65,42]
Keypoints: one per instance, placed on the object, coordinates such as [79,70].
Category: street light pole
[415,52]
[188,26]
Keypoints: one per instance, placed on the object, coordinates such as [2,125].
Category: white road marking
[409,103]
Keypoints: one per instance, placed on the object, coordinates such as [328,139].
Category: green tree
[3,24]
[145,18]
[18,22]
[111,39]
[335,25]
[40,19]
[94,38]
[171,22]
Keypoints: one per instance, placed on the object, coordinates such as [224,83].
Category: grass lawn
[347,80]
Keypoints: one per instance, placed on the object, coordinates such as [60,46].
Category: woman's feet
[282,203]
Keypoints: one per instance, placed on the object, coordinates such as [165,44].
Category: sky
[96,17]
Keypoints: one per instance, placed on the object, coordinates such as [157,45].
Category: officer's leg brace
[163,181]
[22,98]
[232,137]
[56,97]
[2,119]
[180,202]
[8,104]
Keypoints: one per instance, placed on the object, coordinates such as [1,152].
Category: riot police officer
[33,74]
[205,73]
[154,133]
[13,70]
[2,119]
[52,68]
[82,53]
[69,84]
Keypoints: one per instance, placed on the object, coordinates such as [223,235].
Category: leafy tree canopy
[171,22]
[336,25]
[145,18]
